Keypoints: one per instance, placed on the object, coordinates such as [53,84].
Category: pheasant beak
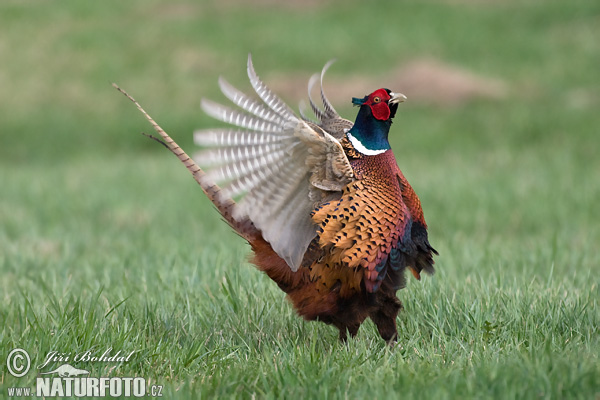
[396,98]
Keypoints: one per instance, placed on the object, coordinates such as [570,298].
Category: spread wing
[328,118]
[278,165]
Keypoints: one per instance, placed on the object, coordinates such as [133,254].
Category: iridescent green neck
[369,135]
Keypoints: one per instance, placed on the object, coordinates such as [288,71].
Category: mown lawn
[106,241]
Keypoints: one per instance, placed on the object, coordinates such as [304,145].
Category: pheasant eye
[377,99]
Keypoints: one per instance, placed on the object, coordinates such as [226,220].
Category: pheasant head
[369,135]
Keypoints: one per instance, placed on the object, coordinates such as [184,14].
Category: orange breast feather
[359,230]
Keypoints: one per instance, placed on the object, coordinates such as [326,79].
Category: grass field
[106,241]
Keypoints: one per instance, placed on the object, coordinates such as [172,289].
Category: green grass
[106,241]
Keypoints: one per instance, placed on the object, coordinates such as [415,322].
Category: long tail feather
[225,205]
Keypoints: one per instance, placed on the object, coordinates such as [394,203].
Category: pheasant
[323,204]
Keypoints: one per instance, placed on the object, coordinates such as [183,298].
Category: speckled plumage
[359,230]
[323,204]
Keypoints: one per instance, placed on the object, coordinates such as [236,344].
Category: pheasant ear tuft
[359,102]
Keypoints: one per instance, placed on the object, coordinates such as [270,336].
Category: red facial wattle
[378,101]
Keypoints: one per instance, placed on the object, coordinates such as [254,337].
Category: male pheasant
[329,215]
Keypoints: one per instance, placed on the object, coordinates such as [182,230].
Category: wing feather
[229,137]
[237,118]
[329,110]
[270,98]
[328,118]
[279,165]
[237,153]
[247,103]
[315,108]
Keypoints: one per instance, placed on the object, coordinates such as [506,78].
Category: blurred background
[477,73]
